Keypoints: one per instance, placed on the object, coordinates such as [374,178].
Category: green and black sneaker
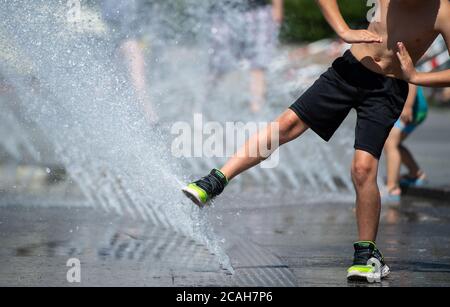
[368,263]
[202,191]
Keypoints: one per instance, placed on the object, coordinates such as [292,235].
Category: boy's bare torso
[416,23]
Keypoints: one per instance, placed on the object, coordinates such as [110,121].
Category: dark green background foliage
[304,21]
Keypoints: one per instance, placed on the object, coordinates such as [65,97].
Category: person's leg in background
[415,176]
[397,154]
[134,58]
[263,25]
[393,165]
[408,160]
[392,147]
[122,17]
[414,113]
[258,89]
[222,56]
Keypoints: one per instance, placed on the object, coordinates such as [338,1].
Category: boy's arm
[278,11]
[431,79]
[331,12]
[411,75]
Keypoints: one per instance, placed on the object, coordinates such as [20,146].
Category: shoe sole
[193,196]
[371,277]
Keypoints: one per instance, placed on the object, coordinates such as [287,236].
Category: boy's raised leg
[285,128]
[290,126]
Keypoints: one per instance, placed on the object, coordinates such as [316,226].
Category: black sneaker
[368,263]
[202,191]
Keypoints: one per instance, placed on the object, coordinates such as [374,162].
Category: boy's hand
[407,115]
[406,63]
[360,36]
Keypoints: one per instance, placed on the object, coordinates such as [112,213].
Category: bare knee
[363,172]
[290,126]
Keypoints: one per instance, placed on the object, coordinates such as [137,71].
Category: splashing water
[70,86]
[73,92]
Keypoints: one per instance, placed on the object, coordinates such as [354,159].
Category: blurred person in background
[414,114]
[122,17]
[248,30]
[446,95]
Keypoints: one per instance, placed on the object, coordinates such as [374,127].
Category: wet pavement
[294,243]
[273,239]
[315,240]
[36,244]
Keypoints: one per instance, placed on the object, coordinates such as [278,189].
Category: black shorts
[378,101]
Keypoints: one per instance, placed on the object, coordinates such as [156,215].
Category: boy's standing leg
[368,203]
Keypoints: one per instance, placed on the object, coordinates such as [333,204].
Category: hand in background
[407,115]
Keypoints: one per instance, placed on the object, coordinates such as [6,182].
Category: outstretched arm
[411,75]
[331,12]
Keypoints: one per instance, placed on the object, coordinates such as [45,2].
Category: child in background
[414,113]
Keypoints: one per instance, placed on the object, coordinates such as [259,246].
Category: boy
[372,78]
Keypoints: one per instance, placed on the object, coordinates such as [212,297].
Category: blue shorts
[406,129]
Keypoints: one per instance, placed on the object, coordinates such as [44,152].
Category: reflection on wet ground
[315,239]
[270,244]
[35,244]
